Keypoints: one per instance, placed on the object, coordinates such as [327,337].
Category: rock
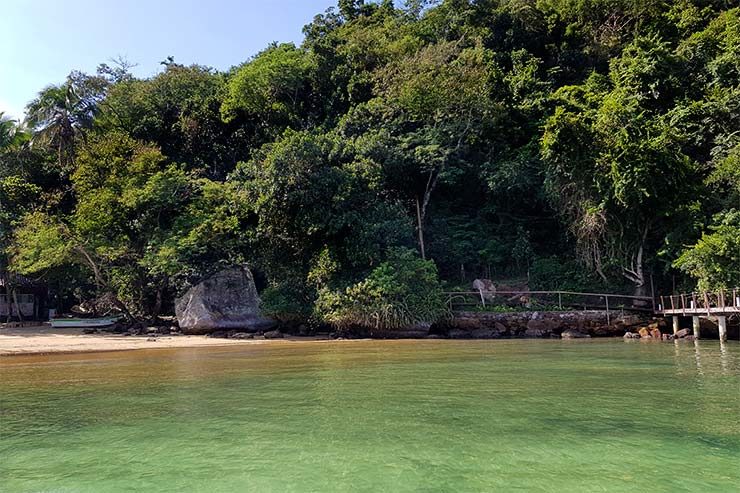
[631,335]
[274,334]
[458,334]
[486,287]
[152,330]
[152,339]
[667,337]
[226,300]
[242,335]
[682,333]
[603,330]
[118,329]
[630,320]
[655,333]
[536,324]
[483,334]
[219,334]
[689,337]
[644,332]
[397,334]
[574,334]
[468,324]
[89,331]
[533,333]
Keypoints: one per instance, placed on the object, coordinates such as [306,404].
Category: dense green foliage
[582,144]
[401,292]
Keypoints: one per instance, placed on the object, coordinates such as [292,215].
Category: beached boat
[58,323]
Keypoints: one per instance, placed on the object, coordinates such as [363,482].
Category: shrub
[285,303]
[401,292]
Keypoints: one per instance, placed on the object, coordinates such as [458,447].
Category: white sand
[45,340]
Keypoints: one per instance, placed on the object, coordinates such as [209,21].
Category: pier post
[722,322]
[675,324]
[696,326]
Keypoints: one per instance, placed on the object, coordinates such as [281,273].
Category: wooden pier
[712,305]
[717,306]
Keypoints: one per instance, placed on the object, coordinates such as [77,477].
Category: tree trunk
[420,229]
[14,294]
[635,271]
[102,284]
[157,308]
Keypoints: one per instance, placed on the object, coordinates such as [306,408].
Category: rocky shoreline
[462,325]
[538,324]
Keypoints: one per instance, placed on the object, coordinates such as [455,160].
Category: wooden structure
[714,305]
[22,298]
[555,299]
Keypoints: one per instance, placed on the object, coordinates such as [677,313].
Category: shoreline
[44,340]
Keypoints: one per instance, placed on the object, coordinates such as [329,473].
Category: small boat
[60,323]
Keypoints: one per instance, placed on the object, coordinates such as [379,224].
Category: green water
[391,416]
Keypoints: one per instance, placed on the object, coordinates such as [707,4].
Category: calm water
[392,416]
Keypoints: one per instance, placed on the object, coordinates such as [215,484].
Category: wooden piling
[696,326]
[722,323]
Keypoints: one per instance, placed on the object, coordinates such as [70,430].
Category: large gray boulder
[227,300]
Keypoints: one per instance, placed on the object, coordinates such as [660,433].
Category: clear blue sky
[43,40]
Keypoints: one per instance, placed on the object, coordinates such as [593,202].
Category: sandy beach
[46,340]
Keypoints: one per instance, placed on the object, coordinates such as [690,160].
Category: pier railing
[555,300]
[706,303]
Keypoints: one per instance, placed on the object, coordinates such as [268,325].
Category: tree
[714,261]
[179,111]
[400,293]
[616,169]
[60,114]
[12,134]
[128,195]
[310,192]
[433,104]
[273,88]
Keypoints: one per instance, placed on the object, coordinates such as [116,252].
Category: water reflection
[697,357]
[724,357]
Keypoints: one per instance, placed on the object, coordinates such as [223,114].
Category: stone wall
[490,325]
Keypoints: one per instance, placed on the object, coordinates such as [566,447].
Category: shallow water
[396,416]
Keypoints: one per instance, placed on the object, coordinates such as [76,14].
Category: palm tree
[59,116]
[11,132]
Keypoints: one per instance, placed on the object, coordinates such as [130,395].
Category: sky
[43,40]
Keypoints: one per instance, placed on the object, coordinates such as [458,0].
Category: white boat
[59,323]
